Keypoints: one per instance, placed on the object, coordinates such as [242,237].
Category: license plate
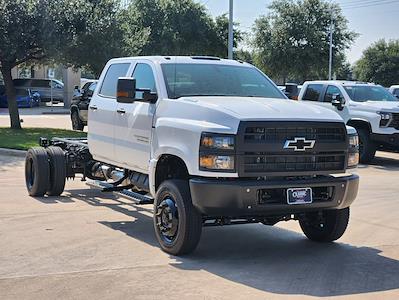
[299,196]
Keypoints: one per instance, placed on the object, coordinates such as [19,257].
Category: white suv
[370,108]
[394,89]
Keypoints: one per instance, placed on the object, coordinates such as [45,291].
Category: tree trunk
[11,96]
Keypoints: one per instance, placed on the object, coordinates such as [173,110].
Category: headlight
[217,152]
[212,141]
[353,157]
[217,162]
[354,141]
[385,118]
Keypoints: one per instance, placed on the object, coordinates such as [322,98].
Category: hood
[253,108]
[374,106]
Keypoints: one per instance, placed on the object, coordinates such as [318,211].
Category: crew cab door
[321,95]
[102,113]
[133,123]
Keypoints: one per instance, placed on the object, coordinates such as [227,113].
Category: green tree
[70,31]
[178,27]
[292,41]
[379,63]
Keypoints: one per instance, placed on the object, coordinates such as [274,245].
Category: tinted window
[21,92]
[22,82]
[144,78]
[396,92]
[362,93]
[110,81]
[86,86]
[92,86]
[217,80]
[331,91]
[313,92]
[41,83]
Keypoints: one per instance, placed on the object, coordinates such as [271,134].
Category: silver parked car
[47,88]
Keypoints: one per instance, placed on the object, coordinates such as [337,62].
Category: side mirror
[126,90]
[338,101]
[291,90]
[148,96]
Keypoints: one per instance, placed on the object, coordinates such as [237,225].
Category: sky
[372,19]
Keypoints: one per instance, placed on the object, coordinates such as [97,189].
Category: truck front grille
[261,151]
[269,162]
[262,134]
[395,121]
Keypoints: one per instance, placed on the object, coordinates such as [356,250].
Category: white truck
[369,108]
[209,142]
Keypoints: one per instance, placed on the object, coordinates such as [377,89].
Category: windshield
[217,80]
[362,93]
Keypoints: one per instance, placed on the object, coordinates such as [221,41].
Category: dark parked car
[25,98]
[79,105]
[47,88]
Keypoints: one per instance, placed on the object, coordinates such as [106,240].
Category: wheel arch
[169,166]
[360,123]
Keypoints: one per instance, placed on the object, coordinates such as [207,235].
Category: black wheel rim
[31,174]
[167,220]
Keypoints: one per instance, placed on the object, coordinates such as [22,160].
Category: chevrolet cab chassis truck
[209,142]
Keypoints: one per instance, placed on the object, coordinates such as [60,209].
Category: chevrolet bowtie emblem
[299,144]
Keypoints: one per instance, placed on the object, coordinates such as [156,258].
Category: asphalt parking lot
[88,245]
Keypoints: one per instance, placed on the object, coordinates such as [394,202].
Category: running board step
[137,198]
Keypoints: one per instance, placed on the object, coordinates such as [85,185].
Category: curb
[55,113]
[12,152]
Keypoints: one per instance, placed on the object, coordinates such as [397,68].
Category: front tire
[367,147]
[326,226]
[37,171]
[178,225]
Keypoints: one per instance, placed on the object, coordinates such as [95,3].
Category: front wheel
[325,226]
[177,223]
[367,147]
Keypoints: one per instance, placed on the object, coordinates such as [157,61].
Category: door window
[332,90]
[108,87]
[396,92]
[313,92]
[144,79]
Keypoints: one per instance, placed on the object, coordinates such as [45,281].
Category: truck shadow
[383,163]
[266,258]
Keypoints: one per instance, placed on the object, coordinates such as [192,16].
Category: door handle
[93,107]
[121,111]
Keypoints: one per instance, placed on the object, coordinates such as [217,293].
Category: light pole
[331,47]
[230,43]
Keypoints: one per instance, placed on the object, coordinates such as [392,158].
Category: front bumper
[240,197]
[387,140]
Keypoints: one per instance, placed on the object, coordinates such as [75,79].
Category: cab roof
[184,60]
[341,82]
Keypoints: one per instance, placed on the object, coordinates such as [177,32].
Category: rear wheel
[57,171]
[77,123]
[367,147]
[325,226]
[177,223]
[37,171]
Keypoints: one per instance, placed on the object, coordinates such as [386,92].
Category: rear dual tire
[45,171]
